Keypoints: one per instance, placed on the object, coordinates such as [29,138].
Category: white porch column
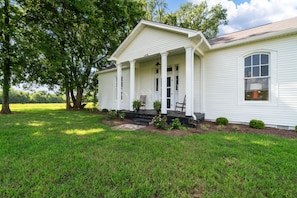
[164,82]
[119,87]
[189,81]
[132,83]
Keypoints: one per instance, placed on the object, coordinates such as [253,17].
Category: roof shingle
[257,31]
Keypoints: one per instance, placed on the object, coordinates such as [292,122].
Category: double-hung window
[257,77]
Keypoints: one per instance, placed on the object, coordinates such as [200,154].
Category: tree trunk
[68,105]
[73,98]
[6,69]
[78,101]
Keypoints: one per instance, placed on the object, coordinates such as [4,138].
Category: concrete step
[141,121]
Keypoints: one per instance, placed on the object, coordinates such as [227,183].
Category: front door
[171,86]
[169,92]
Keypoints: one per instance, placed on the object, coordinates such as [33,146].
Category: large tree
[155,10]
[199,17]
[193,16]
[76,37]
[14,47]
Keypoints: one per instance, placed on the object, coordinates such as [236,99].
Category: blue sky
[173,5]
[243,14]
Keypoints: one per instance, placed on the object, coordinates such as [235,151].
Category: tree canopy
[193,16]
[64,43]
[76,38]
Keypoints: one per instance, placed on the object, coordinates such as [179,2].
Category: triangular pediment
[150,38]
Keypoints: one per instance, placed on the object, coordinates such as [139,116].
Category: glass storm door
[169,92]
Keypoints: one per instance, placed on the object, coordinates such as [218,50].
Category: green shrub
[204,127]
[257,124]
[136,105]
[296,128]
[222,121]
[220,127]
[176,124]
[160,122]
[157,106]
[235,128]
[122,115]
[105,110]
[112,115]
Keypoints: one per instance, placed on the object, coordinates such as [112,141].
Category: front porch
[144,117]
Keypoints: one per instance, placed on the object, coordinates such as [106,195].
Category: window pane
[168,92]
[247,61]
[157,84]
[168,81]
[257,89]
[255,71]
[264,59]
[247,72]
[256,59]
[168,103]
[264,70]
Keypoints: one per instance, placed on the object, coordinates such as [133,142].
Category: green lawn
[48,152]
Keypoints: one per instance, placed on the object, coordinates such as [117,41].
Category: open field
[49,152]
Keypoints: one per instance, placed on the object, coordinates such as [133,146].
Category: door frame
[172,72]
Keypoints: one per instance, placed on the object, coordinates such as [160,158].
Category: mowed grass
[49,152]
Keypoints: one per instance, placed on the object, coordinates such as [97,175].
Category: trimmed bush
[105,110]
[222,121]
[257,124]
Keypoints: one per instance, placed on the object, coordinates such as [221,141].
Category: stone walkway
[130,127]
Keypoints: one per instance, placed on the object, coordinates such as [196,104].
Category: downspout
[194,49]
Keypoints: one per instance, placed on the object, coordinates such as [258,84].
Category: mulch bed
[212,128]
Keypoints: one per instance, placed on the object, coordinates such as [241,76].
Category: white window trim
[273,87]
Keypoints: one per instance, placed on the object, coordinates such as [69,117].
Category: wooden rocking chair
[142,99]
[181,105]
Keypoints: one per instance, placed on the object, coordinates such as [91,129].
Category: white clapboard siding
[222,84]
[107,90]
[152,41]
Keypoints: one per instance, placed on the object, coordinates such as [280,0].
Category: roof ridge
[170,26]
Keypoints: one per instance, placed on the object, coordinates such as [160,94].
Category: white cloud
[254,13]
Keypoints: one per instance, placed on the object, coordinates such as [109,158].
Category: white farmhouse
[250,74]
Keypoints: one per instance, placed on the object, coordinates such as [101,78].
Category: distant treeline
[16,96]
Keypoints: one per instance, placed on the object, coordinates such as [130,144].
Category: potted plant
[157,106]
[136,105]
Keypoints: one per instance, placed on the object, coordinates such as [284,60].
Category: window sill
[257,103]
